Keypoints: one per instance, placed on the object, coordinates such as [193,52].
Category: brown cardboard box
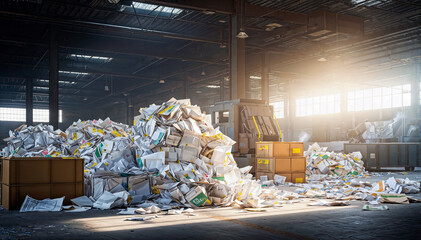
[296,149]
[287,175]
[298,177]
[264,149]
[281,150]
[298,164]
[268,174]
[283,165]
[41,177]
[244,143]
[265,164]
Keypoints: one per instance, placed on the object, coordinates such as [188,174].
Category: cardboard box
[298,165]
[268,174]
[265,164]
[264,149]
[281,150]
[296,149]
[197,197]
[244,143]
[287,175]
[40,178]
[12,196]
[298,177]
[283,165]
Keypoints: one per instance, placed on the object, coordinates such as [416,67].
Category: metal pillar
[185,89]
[265,76]
[53,81]
[415,89]
[221,89]
[291,112]
[238,57]
[129,111]
[29,102]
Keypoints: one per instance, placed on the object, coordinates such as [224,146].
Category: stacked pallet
[281,158]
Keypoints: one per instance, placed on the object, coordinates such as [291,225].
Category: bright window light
[90,58]
[379,98]
[156,8]
[320,105]
[73,73]
[45,88]
[61,81]
[19,115]
[278,109]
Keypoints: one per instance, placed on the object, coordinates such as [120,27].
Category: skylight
[157,8]
[61,81]
[73,73]
[90,58]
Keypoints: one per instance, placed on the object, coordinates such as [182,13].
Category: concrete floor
[292,221]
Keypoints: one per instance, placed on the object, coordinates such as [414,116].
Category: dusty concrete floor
[293,221]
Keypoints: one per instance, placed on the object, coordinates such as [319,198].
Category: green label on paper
[199,200]
[139,161]
[219,178]
[98,150]
[325,156]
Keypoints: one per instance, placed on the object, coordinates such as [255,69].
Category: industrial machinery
[246,121]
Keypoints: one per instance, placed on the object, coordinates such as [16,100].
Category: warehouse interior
[324,67]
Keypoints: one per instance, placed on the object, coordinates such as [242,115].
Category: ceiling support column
[238,57]
[53,80]
[29,101]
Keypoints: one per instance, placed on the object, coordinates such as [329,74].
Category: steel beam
[265,76]
[29,101]
[238,58]
[53,83]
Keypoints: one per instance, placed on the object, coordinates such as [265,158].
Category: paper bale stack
[320,161]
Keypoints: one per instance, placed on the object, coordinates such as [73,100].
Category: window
[155,9]
[319,105]
[278,109]
[379,98]
[19,115]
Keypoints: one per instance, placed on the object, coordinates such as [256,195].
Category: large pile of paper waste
[171,157]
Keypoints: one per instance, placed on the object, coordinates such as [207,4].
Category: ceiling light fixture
[322,59]
[222,21]
[106,88]
[213,86]
[203,73]
[162,81]
[242,34]
[222,45]
[85,98]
